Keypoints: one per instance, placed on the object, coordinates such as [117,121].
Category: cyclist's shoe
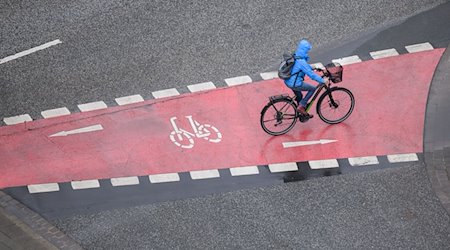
[302,111]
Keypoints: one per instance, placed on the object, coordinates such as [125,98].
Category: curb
[25,218]
[436,136]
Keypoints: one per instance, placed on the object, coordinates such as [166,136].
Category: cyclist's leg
[298,95]
[310,92]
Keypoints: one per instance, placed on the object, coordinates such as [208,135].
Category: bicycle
[281,110]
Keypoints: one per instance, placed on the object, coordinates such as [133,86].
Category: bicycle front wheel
[278,117]
[335,105]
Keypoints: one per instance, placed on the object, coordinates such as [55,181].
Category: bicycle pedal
[303,118]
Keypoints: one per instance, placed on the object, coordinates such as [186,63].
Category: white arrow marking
[305,143]
[79,131]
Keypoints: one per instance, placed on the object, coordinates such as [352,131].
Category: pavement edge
[437,124]
[37,228]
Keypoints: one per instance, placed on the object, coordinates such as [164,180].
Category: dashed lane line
[347,60]
[383,53]
[201,87]
[419,47]
[269,75]
[238,80]
[204,174]
[55,112]
[43,188]
[283,167]
[402,158]
[165,93]
[17,119]
[92,106]
[321,164]
[125,181]
[363,161]
[86,184]
[30,51]
[162,178]
[129,99]
[250,170]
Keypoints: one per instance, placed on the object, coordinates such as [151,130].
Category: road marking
[125,181]
[269,75]
[347,60]
[250,170]
[92,106]
[86,184]
[419,47]
[238,80]
[165,93]
[161,178]
[363,161]
[320,164]
[204,174]
[318,65]
[55,112]
[29,51]
[283,167]
[43,188]
[129,99]
[17,119]
[384,53]
[402,158]
[201,87]
[305,143]
[92,128]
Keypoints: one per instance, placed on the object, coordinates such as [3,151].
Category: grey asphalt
[114,48]
[388,209]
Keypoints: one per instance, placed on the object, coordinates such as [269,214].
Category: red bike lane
[136,139]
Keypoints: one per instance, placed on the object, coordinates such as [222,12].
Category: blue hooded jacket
[302,67]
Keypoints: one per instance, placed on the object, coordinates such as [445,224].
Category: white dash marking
[161,178]
[165,93]
[86,184]
[347,60]
[125,181]
[17,119]
[92,106]
[402,158]
[29,51]
[383,53]
[129,99]
[419,47]
[363,161]
[320,164]
[318,65]
[283,167]
[201,87]
[238,80]
[250,170]
[269,75]
[55,112]
[204,174]
[43,188]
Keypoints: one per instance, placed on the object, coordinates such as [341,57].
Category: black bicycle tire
[263,112]
[322,98]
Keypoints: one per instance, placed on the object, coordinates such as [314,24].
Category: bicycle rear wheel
[335,105]
[278,117]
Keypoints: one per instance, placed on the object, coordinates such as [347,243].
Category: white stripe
[129,99]
[85,184]
[269,75]
[43,188]
[165,93]
[238,80]
[347,60]
[29,51]
[331,163]
[419,47]
[383,53]
[204,174]
[160,178]
[92,106]
[318,65]
[363,161]
[201,86]
[250,170]
[55,112]
[17,119]
[283,167]
[125,181]
[402,158]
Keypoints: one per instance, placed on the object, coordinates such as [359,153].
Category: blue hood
[302,49]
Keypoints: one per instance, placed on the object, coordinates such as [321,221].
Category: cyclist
[298,72]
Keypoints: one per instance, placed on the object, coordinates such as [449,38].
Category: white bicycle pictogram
[185,139]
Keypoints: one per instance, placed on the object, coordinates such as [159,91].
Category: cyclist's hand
[327,80]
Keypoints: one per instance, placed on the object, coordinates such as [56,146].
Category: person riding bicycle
[298,72]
